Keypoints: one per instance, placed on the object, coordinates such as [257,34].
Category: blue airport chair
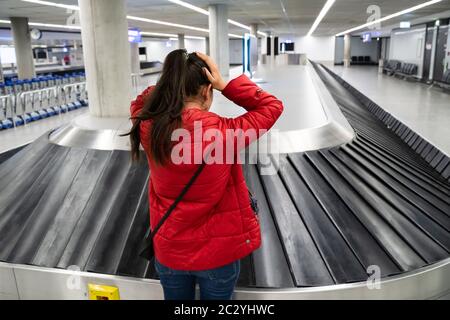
[18,121]
[7,124]
[35,116]
[71,106]
[64,108]
[27,118]
[43,114]
[50,112]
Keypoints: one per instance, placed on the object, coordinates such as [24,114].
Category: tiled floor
[423,108]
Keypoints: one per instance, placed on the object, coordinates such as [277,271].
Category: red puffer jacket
[214,224]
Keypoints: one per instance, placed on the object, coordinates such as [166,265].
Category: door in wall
[441,53]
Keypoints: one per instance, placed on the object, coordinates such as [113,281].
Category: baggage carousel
[360,208]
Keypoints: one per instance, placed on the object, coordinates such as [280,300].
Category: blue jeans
[215,284]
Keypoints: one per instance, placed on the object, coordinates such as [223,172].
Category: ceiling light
[206,13]
[394,15]
[262,33]
[50,25]
[235,35]
[243,26]
[53,4]
[321,15]
[157,34]
[195,37]
[190,6]
[170,24]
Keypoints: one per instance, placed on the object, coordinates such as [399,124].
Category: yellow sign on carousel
[100,292]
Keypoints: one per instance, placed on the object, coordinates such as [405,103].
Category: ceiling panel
[298,17]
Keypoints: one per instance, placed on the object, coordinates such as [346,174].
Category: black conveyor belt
[325,217]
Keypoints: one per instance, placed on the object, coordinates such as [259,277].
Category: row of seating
[361,60]
[20,109]
[17,86]
[400,69]
[445,83]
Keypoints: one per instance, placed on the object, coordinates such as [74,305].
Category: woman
[214,226]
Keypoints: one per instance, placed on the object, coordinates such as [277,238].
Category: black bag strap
[177,200]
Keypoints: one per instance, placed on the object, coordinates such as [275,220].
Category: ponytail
[181,77]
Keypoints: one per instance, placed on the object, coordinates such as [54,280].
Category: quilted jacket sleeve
[263,108]
[138,104]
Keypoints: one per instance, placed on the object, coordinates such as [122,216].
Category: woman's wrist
[221,86]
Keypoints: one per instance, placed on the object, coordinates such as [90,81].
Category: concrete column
[347,50]
[272,49]
[254,29]
[207,46]
[254,44]
[218,36]
[135,63]
[181,44]
[106,56]
[22,45]
[2,79]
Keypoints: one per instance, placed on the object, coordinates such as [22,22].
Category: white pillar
[218,36]
[106,56]
[254,29]
[135,63]
[2,79]
[272,50]
[254,44]
[22,44]
[347,50]
[181,44]
[207,46]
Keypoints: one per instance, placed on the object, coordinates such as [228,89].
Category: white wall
[195,45]
[316,48]
[408,46]
[360,48]
[236,51]
[158,49]
[7,55]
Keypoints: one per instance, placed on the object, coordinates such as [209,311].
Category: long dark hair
[182,76]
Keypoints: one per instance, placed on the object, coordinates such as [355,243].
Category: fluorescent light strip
[194,37]
[58,5]
[157,34]
[235,36]
[190,6]
[134,18]
[54,4]
[243,26]
[262,33]
[50,25]
[206,13]
[321,15]
[394,15]
[166,23]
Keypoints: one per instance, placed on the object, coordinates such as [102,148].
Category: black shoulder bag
[147,251]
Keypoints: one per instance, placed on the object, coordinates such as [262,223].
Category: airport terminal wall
[381,200]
